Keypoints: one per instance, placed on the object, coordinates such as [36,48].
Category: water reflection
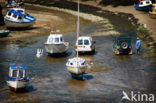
[77,85]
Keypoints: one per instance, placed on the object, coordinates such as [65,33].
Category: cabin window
[147,2]
[83,63]
[21,11]
[14,73]
[86,42]
[9,14]
[141,3]
[19,17]
[14,15]
[50,40]
[80,42]
[57,40]
[21,74]
[61,39]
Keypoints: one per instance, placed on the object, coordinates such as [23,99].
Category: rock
[1,16]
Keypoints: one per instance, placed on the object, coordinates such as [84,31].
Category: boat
[17,79]
[17,18]
[55,43]
[39,53]
[4,33]
[144,5]
[13,3]
[153,12]
[77,66]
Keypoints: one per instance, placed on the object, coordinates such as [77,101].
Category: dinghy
[4,33]
[17,18]
[17,79]
[144,5]
[55,43]
[77,66]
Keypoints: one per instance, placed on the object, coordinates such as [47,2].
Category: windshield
[21,11]
[57,40]
[14,15]
[19,17]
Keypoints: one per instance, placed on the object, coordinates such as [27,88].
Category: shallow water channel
[51,82]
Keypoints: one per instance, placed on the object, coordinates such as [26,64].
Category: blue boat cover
[15,12]
[18,67]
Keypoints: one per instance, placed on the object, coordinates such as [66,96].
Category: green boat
[4,33]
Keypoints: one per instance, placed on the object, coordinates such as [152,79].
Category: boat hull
[77,70]
[13,24]
[5,34]
[55,48]
[143,8]
[17,85]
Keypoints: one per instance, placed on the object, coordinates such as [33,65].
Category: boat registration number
[71,68]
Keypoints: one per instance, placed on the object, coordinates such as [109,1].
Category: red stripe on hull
[17,89]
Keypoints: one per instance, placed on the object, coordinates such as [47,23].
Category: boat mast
[78,25]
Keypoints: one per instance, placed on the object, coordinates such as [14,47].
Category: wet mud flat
[107,76]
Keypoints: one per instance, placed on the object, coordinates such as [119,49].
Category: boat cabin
[17,15]
[21,10]
[74,62]
[17,72]
[145,3]
[55,39]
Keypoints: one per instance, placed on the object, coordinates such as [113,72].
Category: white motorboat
[17,18]
[56,44]
[144,5]
[4,33]
[77,66]
[17,79]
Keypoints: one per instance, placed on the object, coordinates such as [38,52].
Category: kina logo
[137,97]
